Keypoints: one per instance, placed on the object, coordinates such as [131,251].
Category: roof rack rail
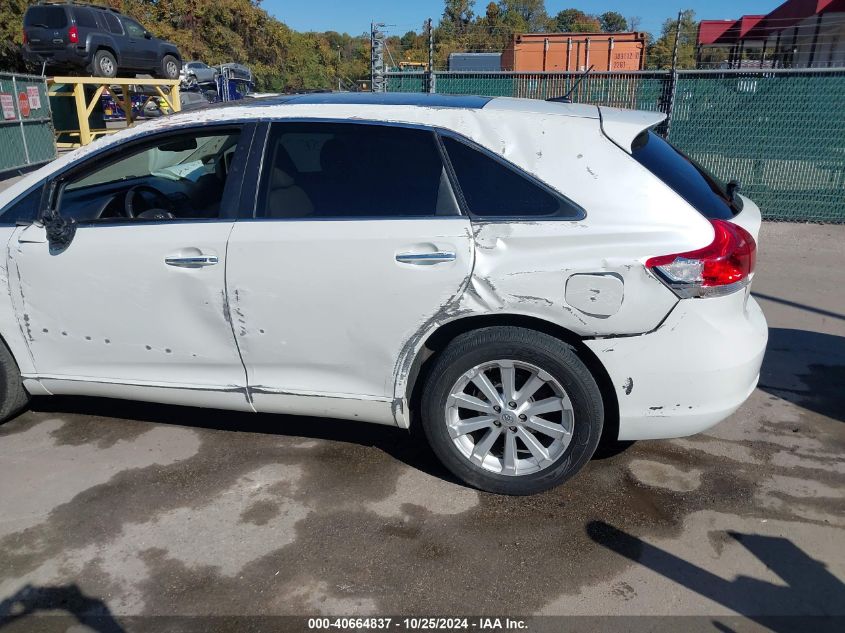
[78,3]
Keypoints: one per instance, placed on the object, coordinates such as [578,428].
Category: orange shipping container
[574,52]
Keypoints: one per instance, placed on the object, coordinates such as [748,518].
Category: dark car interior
[181,178]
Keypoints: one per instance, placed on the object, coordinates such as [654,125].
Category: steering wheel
[130,204]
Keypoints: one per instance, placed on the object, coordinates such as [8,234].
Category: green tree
[575,21]
[531,12]
[613,22]
[457,15]
[660,51]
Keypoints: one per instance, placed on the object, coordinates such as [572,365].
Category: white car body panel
[343,341]
[323,309]
[109,311]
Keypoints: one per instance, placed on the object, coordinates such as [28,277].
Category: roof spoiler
[623,126]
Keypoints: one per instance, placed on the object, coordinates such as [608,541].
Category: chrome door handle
[437,257]
[196,261]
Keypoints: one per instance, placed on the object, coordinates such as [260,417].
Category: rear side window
[683,175]
[347,170]
[84,18]
[46,17]
[493,189]
[114,24]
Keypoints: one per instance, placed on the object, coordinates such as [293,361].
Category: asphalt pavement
[118,509]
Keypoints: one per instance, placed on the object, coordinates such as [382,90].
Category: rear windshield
[46,17]
[687,178]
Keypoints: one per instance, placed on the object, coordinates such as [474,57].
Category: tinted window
[180,177]
[329,170]
[113,24]
[686,177]
[46,17]
[133,29]
[493,189]
[24,209]
[84,18]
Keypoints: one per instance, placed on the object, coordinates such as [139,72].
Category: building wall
[796,42]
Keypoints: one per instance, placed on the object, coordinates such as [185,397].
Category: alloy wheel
[509,417]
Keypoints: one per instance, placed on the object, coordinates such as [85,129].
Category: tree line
[284,59]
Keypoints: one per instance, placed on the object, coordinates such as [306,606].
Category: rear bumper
[692,372]
[67,56]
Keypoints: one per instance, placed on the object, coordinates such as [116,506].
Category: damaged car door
[119,289]
[356,244]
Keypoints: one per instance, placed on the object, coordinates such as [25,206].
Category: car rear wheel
[511,410]
[105,65]
[170,67]
[13,397]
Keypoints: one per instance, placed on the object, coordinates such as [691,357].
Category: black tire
[170,67]
[13,397]
[104,64]
[558,359]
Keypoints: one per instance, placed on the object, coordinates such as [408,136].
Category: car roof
[425,100]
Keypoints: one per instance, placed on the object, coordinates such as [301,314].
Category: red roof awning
[759,27]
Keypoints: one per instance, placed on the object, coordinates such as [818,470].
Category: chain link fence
[781,133]
[26,127]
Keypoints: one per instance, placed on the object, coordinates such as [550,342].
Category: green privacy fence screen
[780,133]
[26,128]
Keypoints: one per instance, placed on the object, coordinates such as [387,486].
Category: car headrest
[280,179]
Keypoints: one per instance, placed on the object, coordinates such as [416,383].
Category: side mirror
[148,35]
[60,232]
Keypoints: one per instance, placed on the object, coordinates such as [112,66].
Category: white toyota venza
[521,278]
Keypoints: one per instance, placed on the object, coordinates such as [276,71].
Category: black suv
[97,39]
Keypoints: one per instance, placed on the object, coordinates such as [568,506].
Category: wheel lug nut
[497,408]
[512,404]
[512,429]
[496,423]
[523,417]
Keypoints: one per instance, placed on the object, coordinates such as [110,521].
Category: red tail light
[24,36]
[724,266]
[73,34]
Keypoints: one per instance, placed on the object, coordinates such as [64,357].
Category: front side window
[133,29]
[180,177]
[492,189]
[347,170]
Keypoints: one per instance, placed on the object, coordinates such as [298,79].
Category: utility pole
[430,84]
[377,57]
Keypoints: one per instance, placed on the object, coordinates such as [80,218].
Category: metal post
[815,40]
[675,45]
[377,79]
[674,77]
[431,83]
[20,118]
[777,53]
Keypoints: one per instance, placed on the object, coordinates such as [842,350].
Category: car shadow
[63,606]
[807,369]
[405,446]
[808,588]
